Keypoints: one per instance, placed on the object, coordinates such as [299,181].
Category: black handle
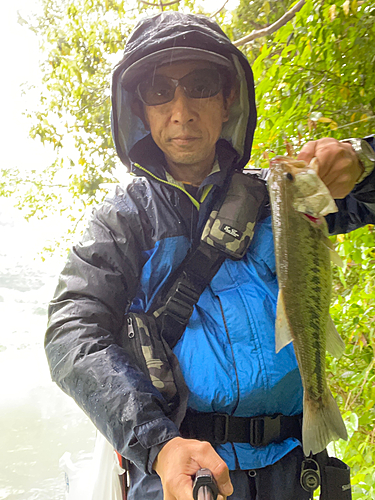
[205,487]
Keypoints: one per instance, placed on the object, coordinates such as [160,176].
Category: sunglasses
[199,84]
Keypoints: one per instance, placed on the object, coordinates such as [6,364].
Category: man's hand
[339,167]
[180,459]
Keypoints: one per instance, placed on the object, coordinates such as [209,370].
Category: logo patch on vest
[231,231]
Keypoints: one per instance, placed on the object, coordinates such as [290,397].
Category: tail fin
[322,423]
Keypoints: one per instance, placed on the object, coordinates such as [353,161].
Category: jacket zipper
[192,199]
[135,341]
[231,348]
[131,332]
[195,203]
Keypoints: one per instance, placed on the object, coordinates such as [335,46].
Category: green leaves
[314,78]
[353,377]
[78,39]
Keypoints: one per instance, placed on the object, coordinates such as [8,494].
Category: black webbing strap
[192,277]
[197,272]
[227,234]
[220,428]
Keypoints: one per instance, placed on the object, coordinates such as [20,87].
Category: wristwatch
[366,156]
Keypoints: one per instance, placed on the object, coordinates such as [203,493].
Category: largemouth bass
[302,250]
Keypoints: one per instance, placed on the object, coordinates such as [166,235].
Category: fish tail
[322,423]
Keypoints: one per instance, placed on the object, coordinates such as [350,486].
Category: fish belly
[307,294]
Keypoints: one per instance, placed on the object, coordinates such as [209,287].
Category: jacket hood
[169,35]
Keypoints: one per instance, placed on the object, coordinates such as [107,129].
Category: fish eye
[289,176]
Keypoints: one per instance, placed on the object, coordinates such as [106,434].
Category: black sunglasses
[199,84]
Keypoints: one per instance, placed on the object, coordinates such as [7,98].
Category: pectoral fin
[335,257]
[334,343]
[283,334]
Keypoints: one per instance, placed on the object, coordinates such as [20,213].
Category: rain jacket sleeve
[85,358]
[358,208]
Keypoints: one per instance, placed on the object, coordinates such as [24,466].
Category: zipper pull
[131,332]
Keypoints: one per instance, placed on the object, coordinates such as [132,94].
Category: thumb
[181,490]
[205,478]
[168,496]
[226,488]
[221,474]
[307,152]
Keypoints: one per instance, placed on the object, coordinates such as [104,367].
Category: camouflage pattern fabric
[231,240]
[231,228]
[152,354]
[156,359]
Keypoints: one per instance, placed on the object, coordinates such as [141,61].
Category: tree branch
[160,4]
[274,27]
[41,185]
[221,8]
[258,26]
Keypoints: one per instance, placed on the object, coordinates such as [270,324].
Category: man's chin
[186,159]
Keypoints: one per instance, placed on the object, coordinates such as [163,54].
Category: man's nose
[182,107]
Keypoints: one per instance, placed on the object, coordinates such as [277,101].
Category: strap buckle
[220,428]
[181,302]
[264,430]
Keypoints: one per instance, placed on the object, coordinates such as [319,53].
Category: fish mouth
[313,219]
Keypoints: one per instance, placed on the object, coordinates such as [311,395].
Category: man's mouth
[184,139]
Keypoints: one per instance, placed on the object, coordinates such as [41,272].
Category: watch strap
[365,154]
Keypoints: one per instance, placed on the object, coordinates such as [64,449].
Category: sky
[20,64]
[19,60]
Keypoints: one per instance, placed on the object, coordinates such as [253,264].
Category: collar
[151,157]
[207,180]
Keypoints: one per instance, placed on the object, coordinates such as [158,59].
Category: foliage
[81,41]
[256,15]
[314,77]
[352,377]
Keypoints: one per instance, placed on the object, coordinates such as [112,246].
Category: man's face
[187,129]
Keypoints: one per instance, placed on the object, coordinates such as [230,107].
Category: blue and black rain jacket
[133,243]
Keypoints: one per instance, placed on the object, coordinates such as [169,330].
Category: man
[183,120]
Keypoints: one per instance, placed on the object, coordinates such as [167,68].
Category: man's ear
[137,108]
[228,102]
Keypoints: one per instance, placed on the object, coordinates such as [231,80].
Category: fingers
[182,488]
[178,462]
[339,167]
[220,472]
[307,152]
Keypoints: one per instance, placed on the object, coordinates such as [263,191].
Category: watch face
[367,150]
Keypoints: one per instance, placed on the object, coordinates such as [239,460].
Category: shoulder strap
[228,233]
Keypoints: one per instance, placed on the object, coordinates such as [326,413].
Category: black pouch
[152,354]
[335,480]
[230,226]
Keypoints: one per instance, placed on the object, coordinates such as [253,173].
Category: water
[38,421]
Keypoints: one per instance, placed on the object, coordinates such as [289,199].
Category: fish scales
[307,300]
[304,275]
